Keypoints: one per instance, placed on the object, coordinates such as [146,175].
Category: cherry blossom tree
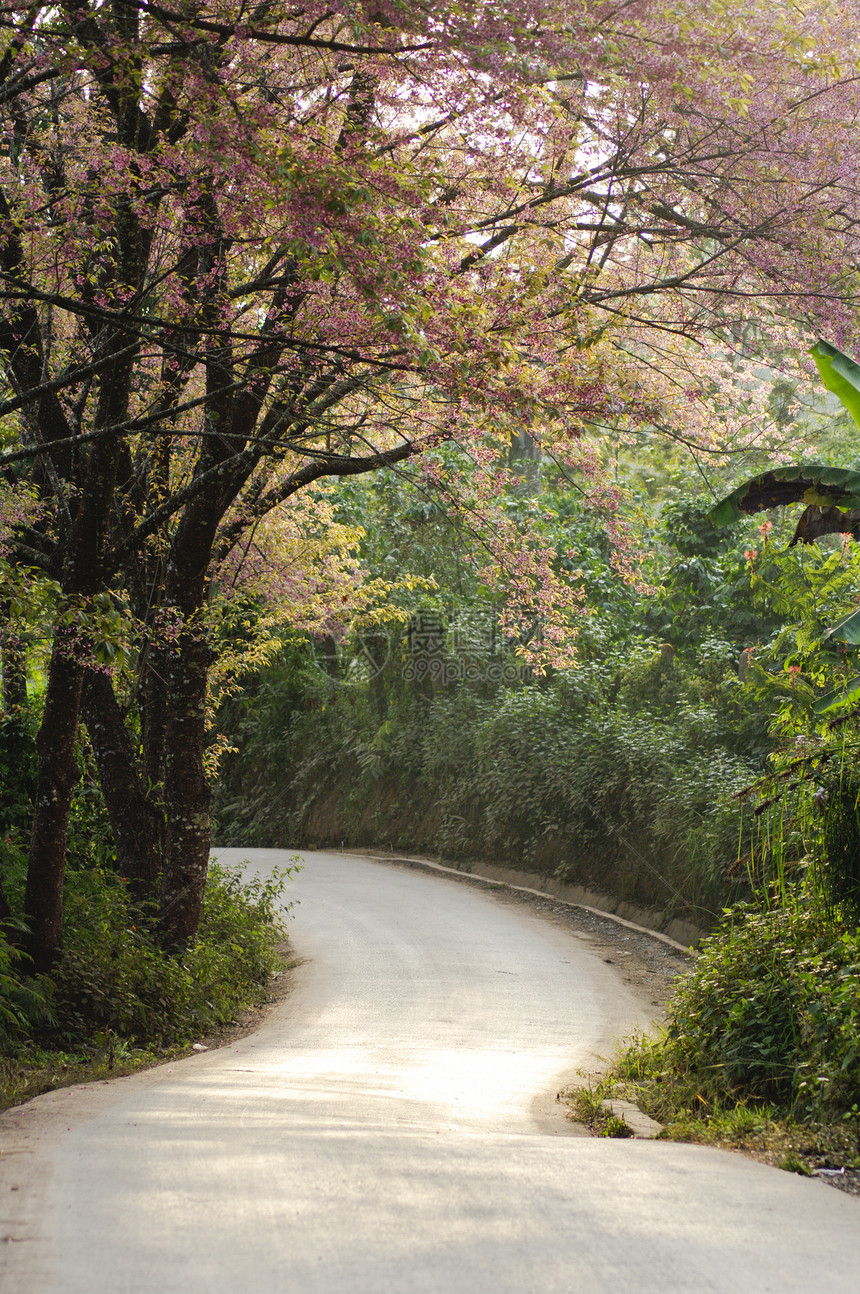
[245,248]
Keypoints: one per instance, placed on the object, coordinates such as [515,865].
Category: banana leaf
[833,700]
[846,630]
[840,374]
[814,484]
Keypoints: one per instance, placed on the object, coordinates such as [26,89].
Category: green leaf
[800,483]
[833,700]
[840,374]
[846,630]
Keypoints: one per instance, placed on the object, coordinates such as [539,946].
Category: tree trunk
[153,715]
[57,776]
[187,793]
[135,820]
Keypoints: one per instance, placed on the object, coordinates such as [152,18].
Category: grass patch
[589,1105]
[36,1070]
[765,1132]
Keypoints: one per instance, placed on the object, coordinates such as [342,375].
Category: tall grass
[634,796]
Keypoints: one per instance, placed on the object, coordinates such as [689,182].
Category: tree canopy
[244,248]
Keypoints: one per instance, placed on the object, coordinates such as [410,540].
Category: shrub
[114,978]
[738,1016]
[17,770]
[770,1013]
[23,1002]
[828,1080]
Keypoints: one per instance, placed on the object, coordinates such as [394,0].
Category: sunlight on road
[378,1135]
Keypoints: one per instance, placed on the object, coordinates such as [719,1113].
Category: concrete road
[391,1129]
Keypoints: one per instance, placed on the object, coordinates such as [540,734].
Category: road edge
[477,878]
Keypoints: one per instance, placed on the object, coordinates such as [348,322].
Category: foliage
[706,604]
[692,1108]
[740,1012]
[612,776]
[618,774]
[114,981]
[113,975]
[832,499]
[24,1002]
[335,239]
[840,374]
[769,1014]
[764,1026]
[798,658]
[840,840]
[302,570]
[17,772]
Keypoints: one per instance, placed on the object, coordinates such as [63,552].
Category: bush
[114,978]
[235,951]
[23,1002]
[771,1013]
[17,770]
[738,1016]
[828,1080]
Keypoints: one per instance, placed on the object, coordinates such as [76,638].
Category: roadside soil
[642,961]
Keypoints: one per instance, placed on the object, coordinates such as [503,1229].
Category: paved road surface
[391,1130]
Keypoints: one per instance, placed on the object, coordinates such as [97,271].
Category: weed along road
[391,1129]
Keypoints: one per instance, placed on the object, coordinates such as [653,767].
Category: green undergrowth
[117,1002]
[35,1070]
[620,776]
[762,1045]
[590,1105]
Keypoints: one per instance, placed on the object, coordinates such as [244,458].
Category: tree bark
[153,715]
[187,792]
[135,820]
[82,576]
[57,776]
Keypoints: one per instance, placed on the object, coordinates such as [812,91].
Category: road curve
[391,1130]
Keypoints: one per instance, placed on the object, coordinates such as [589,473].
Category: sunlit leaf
[846,630]
[840,374]
[833,700]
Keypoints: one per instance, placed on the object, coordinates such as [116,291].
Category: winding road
[392,1129]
